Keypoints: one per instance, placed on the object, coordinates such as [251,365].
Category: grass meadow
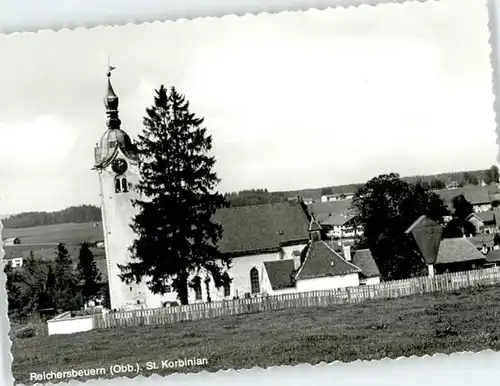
[70,233]
[440,323]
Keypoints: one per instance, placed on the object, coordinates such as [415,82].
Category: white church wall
[370,280]
[327,283]
[240,274]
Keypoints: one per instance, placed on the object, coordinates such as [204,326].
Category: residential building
[480,197]
[458,254]
[336,197]
[444,255]
[339,225]
[485,222]
[308,201]
[321,267]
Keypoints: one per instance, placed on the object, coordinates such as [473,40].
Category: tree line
[436,182]
[54,286]
[74,214]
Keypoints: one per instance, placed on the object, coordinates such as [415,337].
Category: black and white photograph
[250,191]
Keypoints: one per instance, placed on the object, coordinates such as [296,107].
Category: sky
[293,100]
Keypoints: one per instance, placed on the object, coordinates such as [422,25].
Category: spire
[111,103]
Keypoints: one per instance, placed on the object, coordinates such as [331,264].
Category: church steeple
[111,103]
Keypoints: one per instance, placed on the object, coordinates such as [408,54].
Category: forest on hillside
[74,214]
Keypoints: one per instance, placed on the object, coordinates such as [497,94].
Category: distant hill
[263,196]
[74,214]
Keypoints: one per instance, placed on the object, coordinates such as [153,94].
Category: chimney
[296,261]
[347,252]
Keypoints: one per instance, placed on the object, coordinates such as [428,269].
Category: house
[336,197]
[458,254]
[483,240]
[427,235]
[370,274]
[308,200]
[485,222]
[443,255]
[340,225]
[318,209]
[12,241]
[480,197]
[493,258]
[320,267]
[16,262]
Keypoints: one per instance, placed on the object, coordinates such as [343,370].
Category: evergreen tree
[13,290]
[66,281]
[106,299]
[89,274]
[176,237]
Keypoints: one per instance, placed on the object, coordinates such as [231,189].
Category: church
[275,248]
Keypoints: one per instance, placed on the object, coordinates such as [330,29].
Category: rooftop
[280,273]
[253,229]
[322,261]
[457,250]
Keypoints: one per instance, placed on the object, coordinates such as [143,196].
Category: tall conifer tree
[176,236]
[66,290]
[88,273]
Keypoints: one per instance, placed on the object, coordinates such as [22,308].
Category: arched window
[254,281]
[118,187]
[197,290]
[227,290]
[124,185]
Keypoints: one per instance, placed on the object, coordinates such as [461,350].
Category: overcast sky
[294,100]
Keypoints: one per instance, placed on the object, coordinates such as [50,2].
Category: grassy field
[443,323]
[70,233]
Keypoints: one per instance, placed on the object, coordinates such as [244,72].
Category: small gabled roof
[363,259]
[457,250]
[322,261]
[280,273]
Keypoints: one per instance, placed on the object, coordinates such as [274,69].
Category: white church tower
[116,163]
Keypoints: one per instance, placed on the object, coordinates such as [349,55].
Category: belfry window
[121,185]
[118,186]
[124,185]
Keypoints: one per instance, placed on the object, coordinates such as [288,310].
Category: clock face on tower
[119,166]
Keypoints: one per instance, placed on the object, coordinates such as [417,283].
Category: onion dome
[114,138]
[111,141]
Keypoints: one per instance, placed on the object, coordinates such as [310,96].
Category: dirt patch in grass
[418,325]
